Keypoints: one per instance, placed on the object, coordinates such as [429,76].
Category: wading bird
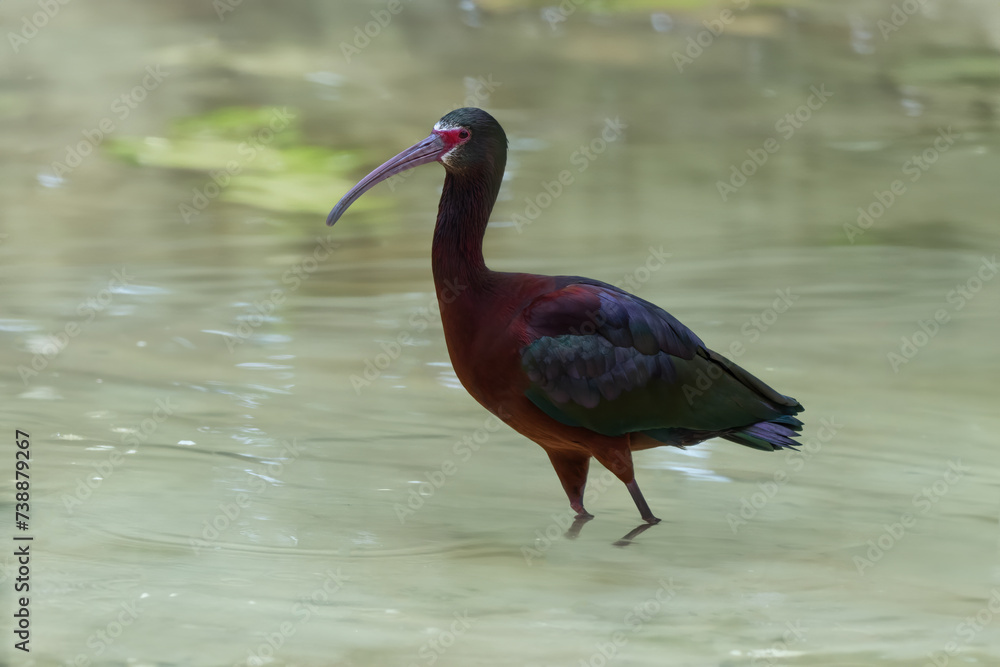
[579,366]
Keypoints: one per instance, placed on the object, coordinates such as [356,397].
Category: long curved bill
[428,150]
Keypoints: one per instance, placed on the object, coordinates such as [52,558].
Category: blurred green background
[234,463]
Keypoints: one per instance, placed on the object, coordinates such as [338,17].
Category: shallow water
[234,462]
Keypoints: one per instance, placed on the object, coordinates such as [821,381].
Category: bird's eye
[464,134]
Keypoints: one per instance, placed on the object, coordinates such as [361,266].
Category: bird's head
[465,140]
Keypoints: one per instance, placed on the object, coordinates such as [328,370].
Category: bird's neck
[466,289]
[464,211]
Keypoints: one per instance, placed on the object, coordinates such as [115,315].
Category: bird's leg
[640,502]
[571,467]
[618,459]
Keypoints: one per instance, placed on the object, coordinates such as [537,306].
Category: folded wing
[603,359]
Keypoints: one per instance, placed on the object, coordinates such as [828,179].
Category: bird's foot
[651,520]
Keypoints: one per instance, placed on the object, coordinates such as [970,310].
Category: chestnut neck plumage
[463,213]
[467,291]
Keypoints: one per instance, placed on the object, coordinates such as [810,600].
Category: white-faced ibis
[581,367]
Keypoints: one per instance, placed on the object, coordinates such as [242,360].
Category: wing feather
[604,359]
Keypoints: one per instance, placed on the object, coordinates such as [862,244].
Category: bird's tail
[770,435]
